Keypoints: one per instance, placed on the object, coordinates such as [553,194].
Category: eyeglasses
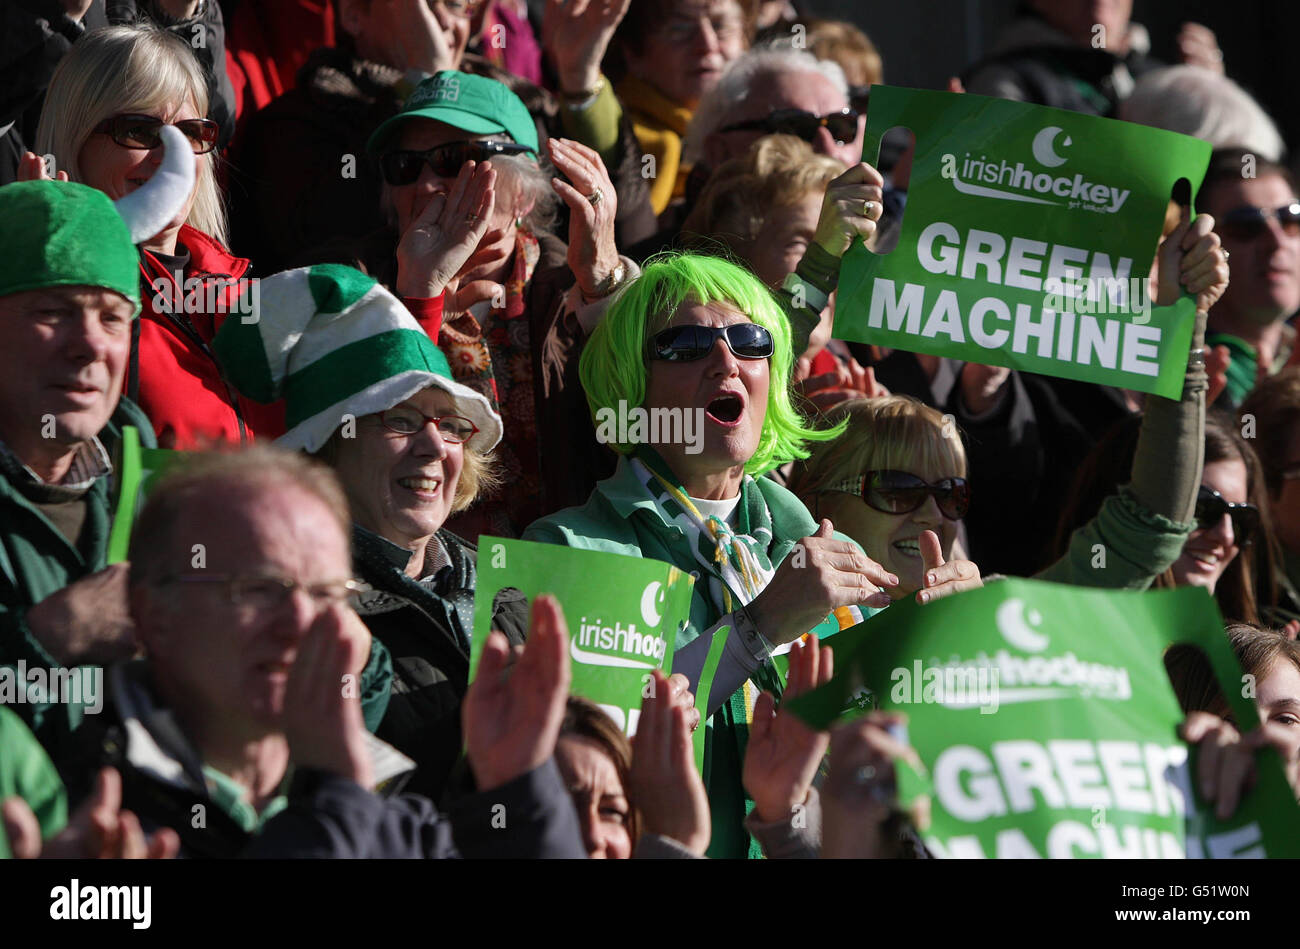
[455,429]
[689,343]
[1247,223]
[404,167]
[141,131]
[901,492]
[842,125]
[265,592]
[1210,508]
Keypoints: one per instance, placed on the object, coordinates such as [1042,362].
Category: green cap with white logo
[476,104]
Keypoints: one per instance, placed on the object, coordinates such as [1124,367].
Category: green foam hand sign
[623,614]
[1027,240]
[1048,725]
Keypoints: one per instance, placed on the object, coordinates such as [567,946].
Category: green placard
[1026,242]
[623,614]
[1049,727]
[137,469]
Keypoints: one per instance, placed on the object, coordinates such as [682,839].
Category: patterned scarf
[493,355]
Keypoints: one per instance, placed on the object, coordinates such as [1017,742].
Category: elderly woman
[701,340]
[106,102]
[410,445]
[518,312]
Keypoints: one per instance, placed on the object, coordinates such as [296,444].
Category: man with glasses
[1259,223]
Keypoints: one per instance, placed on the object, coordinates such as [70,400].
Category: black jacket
[427,627]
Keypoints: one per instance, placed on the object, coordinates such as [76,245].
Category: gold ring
[596,197]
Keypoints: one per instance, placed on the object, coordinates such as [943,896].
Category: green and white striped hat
[332,342]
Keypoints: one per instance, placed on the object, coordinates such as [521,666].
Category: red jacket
[181,387]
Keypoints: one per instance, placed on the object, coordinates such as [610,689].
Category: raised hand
[576,35]
[849,381]
[665,786]
[1225,767]
[444,237]
[860,791]
[99,829]
[944,579]
[783,753]
[420,39]
[511,721]
[1198,46]
[593,205]
[322,720]
[31,167]
[851,208]
[1191,257]
[819,575]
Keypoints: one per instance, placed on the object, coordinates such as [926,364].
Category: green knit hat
[332,342]
[476,104]
[62,234]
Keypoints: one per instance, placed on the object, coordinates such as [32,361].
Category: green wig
[614,366]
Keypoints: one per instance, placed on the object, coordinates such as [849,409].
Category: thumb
[825,528]
[931,552]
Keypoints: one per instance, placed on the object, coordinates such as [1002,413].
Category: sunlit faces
[784,238]
[402,487]
[1265,283]
[1208,551]
[598,795]
[732,391]
[117,170]
[227,663]
[892,540]
[410,200]
[63,354]
[801,89]
[685,56]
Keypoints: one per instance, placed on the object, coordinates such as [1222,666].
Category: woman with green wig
[687,378]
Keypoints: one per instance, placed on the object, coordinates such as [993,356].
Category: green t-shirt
[27,772]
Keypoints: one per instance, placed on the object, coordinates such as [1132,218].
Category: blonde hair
[776,172]
[127,69]
[894,432]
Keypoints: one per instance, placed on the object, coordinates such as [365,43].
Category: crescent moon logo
[1044,153]
[649,608]
[1018,629]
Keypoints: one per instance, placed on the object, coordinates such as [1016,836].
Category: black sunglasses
[1247,223]
[404,167]
[842,125]
[901,492]
[689,343]
[141,131]
[1210,508]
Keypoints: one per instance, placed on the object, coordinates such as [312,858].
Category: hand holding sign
[783,753]
[1191,257]
[851,208]
[1226,766]
[511,722]
[860,791]
[821,574]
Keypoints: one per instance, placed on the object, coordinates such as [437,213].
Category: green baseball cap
[61,234]
[476,104]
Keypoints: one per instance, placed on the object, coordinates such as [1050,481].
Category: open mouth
[422,487]
[1204,557]
[908,548]
[726,409]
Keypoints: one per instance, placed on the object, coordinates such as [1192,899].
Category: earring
[519,222]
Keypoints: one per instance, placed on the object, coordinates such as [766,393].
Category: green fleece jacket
[27,772]
[621,518]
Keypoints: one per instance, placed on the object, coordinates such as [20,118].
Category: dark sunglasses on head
[1210,508]
[688,343]
[404,167]
[141,131]
[1248,222]
[901,492]
[842,125]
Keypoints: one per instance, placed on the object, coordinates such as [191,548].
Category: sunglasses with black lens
[1211,506]
[689,343]
[1247,223]
[901,492]
[141,131]
[843,125]
[403,167]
